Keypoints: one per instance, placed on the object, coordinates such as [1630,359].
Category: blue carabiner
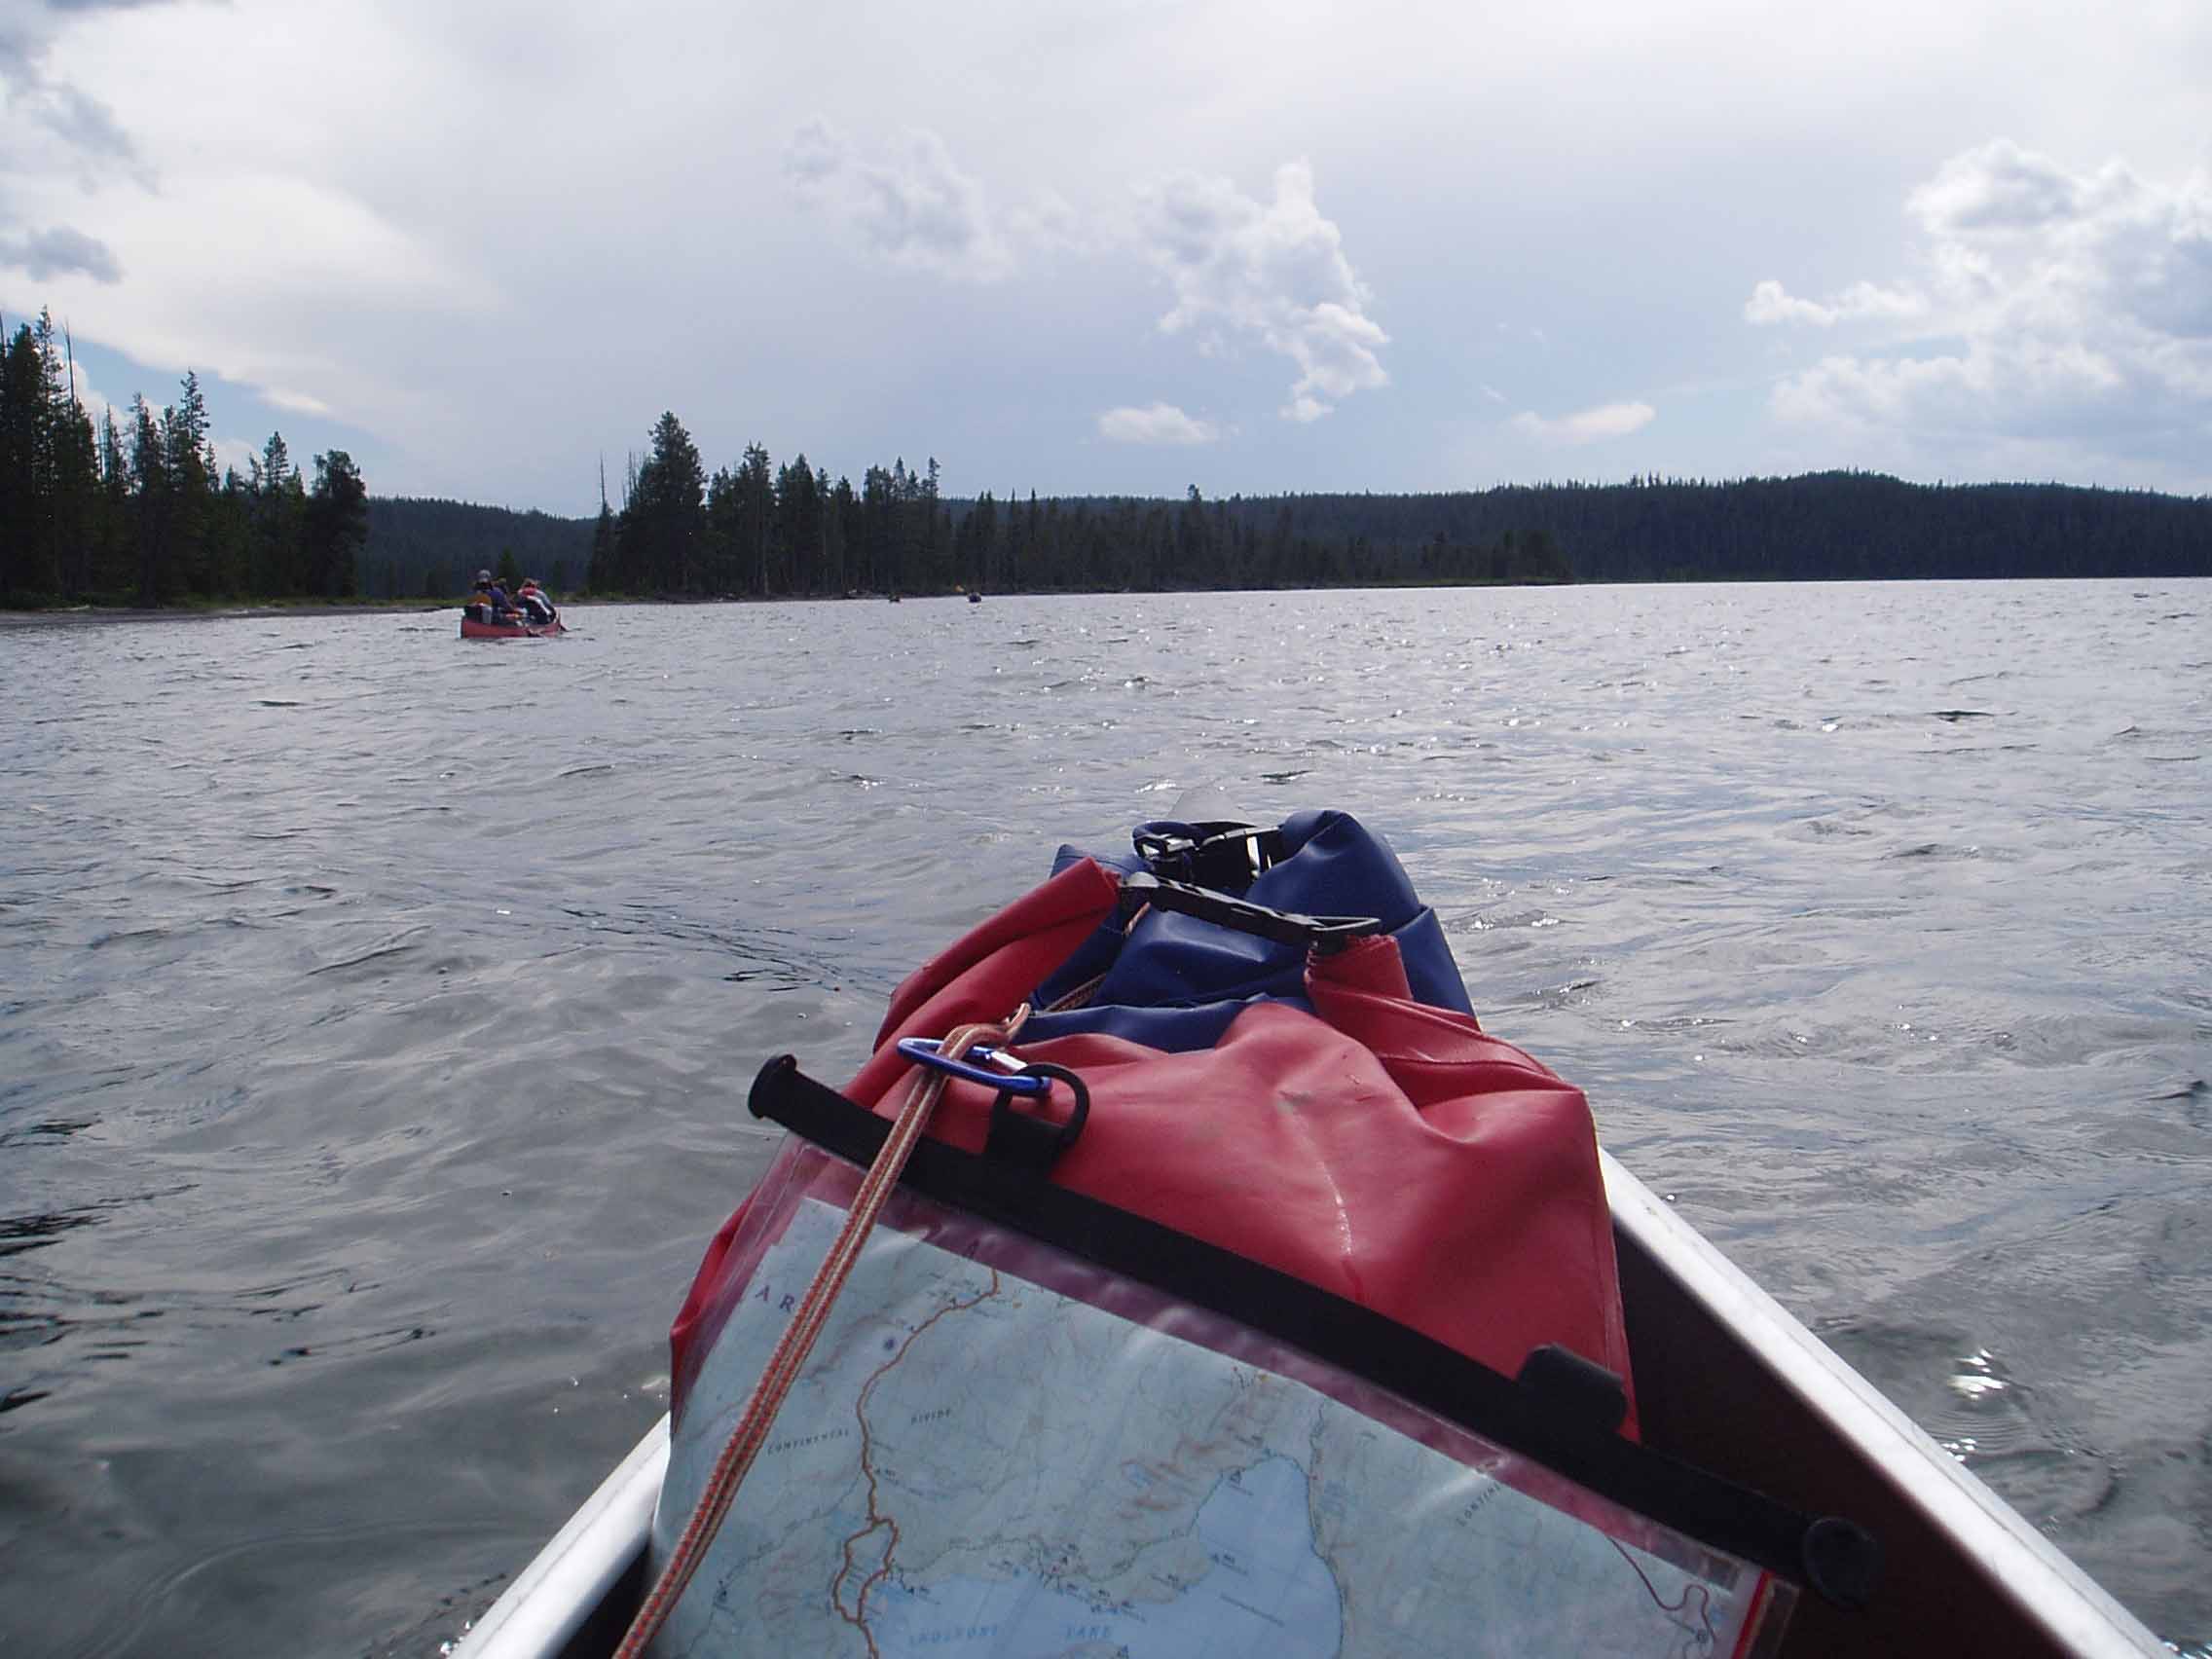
[925,1051]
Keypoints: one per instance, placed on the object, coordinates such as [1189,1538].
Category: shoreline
[100,614]
[248,609]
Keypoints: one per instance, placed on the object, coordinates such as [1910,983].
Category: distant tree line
[767,530]
[135,510]
[430,549]
[895,534]
[1820,527]
[760,530]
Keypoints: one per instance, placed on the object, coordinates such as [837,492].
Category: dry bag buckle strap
[1322,934]
[1213,855]
[1028,1139]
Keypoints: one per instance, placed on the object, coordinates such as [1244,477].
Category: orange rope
[797,1340]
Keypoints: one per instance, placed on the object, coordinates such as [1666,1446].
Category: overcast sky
[1131,246]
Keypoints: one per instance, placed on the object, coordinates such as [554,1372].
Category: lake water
[378,1012]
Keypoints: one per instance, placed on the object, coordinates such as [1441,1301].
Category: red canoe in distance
[471,629]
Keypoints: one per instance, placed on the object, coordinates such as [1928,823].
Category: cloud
[1273,270]
[1771,302]
[81,121]
[914,206]
[282,238]
[1155,424]
[84,125]
[89,398]
[1048,222]
[27,33]
[397,247]
[234,454]
[2001,188]
[49,253]
[294,402]
[2050,304]
[1590,426]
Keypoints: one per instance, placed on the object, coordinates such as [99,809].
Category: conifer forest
[133,509]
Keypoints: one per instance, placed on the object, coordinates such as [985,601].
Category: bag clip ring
[1024,1138]
[1017,1077]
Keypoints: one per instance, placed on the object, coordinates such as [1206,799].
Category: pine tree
[150,504]
[191,470]
[1193,543]
[834,503]
[23,508]
[599,573]
[50,554]
[936,530]
[114,561]
[756,515]
[337,525]
[276,561]
[663,529]
[77,504]
[50,505]
[798,528]
[876,514]
[725,532]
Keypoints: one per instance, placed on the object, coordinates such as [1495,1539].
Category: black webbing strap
[1833,1556]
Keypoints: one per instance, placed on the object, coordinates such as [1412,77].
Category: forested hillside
[135,512]
[1830,526]
[432,549]
[760,529]
[765,530]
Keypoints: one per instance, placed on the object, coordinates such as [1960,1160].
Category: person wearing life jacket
[532,601]
[480,608]
[497,606]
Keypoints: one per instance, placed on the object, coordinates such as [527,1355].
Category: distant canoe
[471,629]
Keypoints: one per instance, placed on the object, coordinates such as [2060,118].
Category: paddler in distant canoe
[535,604]
[489,602]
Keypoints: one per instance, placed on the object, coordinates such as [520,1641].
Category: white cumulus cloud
[1275,271]
[2048,304]
[1999,188]
[1770,301]
[1590,426]
[1155,424]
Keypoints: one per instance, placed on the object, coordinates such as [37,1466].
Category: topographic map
[974,1465]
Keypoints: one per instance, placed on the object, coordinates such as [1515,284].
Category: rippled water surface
[378,1011]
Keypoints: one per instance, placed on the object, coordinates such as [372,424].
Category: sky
[1131,246]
